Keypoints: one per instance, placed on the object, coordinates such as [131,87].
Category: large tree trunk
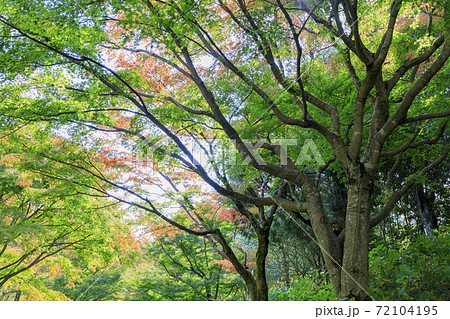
[355,261]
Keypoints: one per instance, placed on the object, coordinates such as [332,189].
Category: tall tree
[42,216]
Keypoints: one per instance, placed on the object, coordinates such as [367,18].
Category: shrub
[304,289]
[414,270]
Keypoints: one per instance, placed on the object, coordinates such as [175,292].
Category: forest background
[224,150]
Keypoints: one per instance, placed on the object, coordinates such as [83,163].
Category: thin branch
[397,195]
[409,144]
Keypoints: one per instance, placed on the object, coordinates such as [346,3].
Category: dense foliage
[224,149]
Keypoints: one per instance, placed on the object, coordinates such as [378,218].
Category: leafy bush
[414,270]
[304,289]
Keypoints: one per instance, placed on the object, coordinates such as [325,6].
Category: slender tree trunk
[256,280]
[259,291]
[329,243]
[284,254]
[425,204]
[355,262]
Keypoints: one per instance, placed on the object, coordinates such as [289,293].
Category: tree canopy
[234,121]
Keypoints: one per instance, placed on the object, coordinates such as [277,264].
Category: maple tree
[181,267]
[45,216]
[353,76]
[182,205]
